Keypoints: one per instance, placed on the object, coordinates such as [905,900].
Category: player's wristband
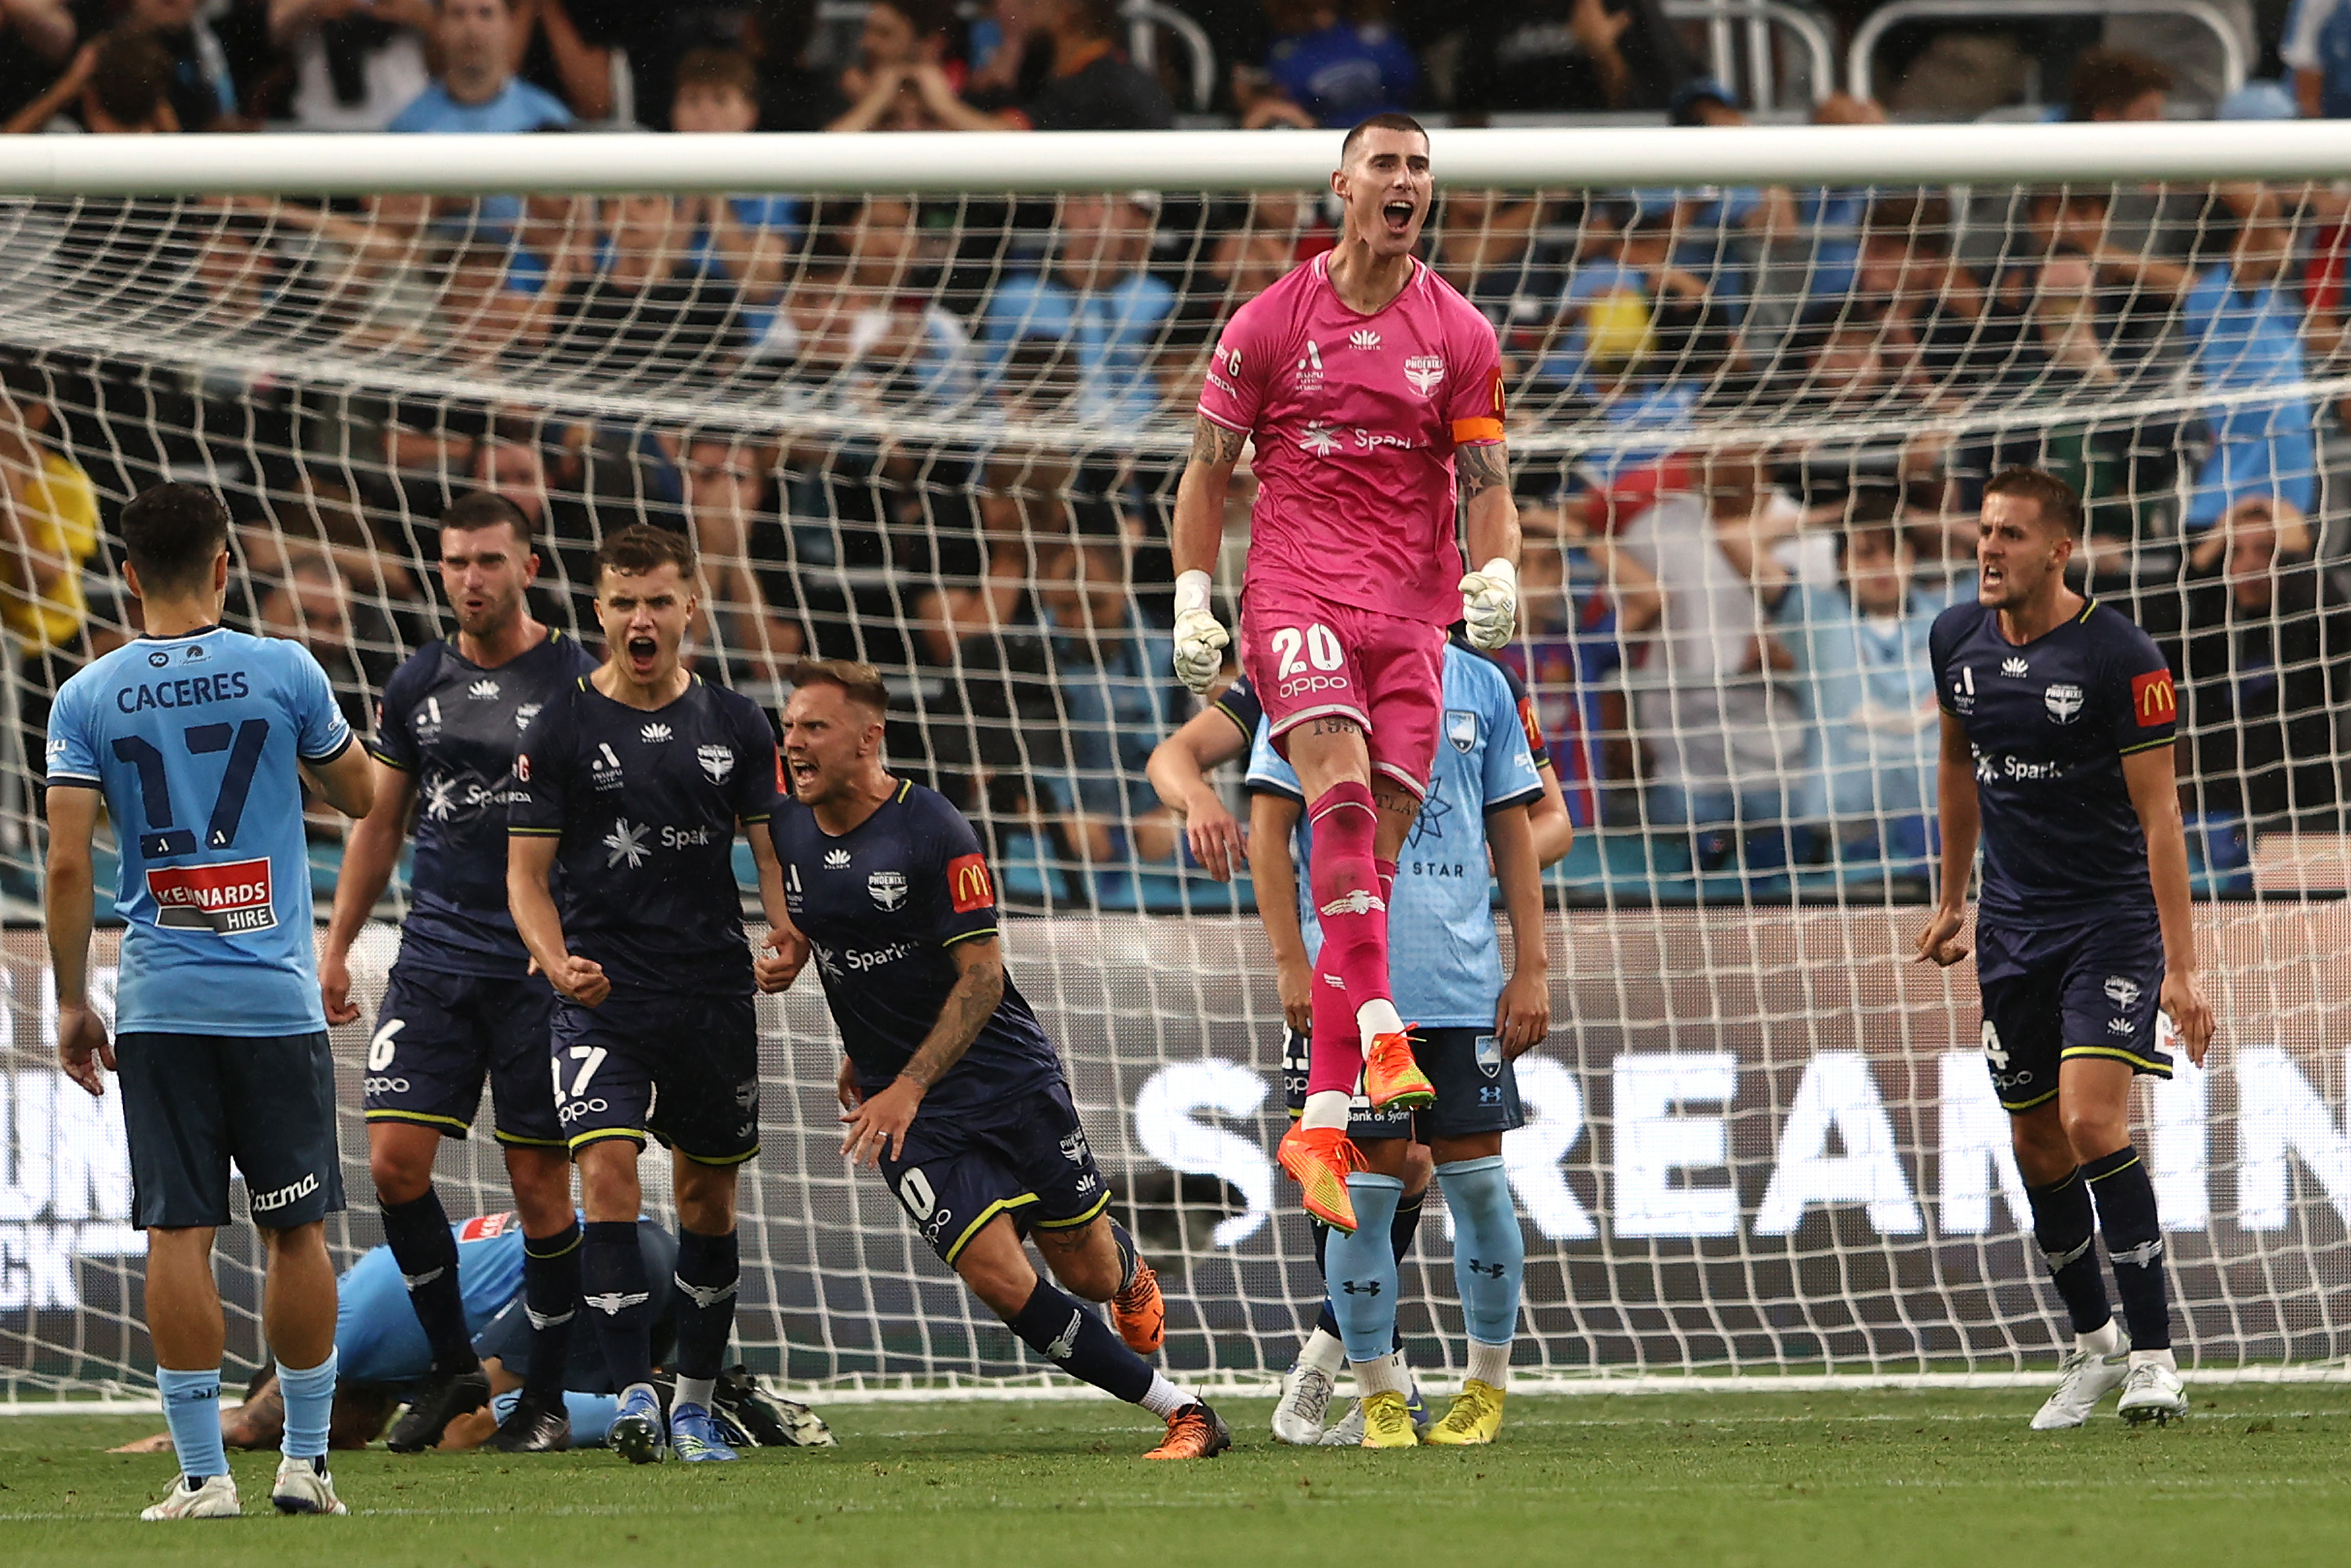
[1191,590]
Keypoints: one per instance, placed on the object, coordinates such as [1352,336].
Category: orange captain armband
[1469,432]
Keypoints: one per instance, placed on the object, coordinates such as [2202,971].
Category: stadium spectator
[1487,248]
[2318,48]
[1828,219]
[2184,46]
[1585,601]
[1858,646]
[2117,85]
[646,314]
[48,530]
[1574,56]
[849,321]
[355,62]
[745,238]
[905,65]
[1723,734]
[2265,658]
[1339,65]
[312,605]
[38,39]
[1095,302]
[120,85]
[477,89]
[1090,84]
[202,90]
[557,57]
[726,483]
[1110,666]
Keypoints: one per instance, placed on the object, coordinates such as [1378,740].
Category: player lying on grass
[1372,393]
[635,781]
[947,1081]
[198,740]
[1470,1026]
[463,1004]
[2058,721]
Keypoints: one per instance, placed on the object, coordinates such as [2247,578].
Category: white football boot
[217,1498]
[302,1488]
[2084,1379]
[2152,1391]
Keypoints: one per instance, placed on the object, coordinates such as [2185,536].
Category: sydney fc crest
[1461,729]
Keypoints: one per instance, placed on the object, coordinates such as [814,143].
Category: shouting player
[1374,393]
[634,781]
[1479,803]
[197,739]
[948,1081]
[2058,720]
[461,1003]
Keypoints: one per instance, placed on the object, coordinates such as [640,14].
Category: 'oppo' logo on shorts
[1305,683]
[264,1202]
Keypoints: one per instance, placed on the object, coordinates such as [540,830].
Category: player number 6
[379,1048]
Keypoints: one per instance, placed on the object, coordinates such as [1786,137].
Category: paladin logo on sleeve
[221,899]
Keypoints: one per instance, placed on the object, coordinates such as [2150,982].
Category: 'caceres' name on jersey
[2049,723]
[647,803]
[454,726]
[881,907]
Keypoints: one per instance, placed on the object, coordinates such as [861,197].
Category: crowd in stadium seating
[1725,632]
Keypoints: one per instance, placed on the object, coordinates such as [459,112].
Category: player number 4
[1319,644]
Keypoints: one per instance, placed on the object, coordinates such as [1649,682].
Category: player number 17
[164,836]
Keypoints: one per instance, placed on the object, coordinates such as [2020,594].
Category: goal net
[914,418]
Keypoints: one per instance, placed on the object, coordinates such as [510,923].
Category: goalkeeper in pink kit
[1373,391]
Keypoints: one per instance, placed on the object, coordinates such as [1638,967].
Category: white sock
[1324,1352]
[694,1391]
[2162,1358]
[1328,1108]
[1376,1017]
[2104,1340]
[1490,1365]
[1166,1399]
[1381,1375]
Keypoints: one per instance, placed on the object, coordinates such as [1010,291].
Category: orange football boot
[1393,1080]
[1319,1158]
[1194,1432]
[1139,1312]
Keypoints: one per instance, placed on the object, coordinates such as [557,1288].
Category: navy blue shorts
[1025,1155]
[437,1036]
[682,1068]
[193,1103]
[1476,1088]
[2059,992]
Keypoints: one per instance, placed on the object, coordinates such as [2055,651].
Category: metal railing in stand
[1859,56]
[1759,20]
[1144,20]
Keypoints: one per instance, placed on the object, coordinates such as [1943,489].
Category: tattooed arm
[1199,530]
[881,1122]
[1489,514]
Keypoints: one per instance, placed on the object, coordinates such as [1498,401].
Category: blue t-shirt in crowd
[1872,698]
[2246,338]
[1345,73]
[194,742]
[518,107]
[1111,332]
[1448,968]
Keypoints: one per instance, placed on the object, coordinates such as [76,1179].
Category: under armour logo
[1361,1287]
[2143,1256]
[2061,1261]
[418,1281]
[1062,1346]
[1491,1270]
[544,1320]
[613,1304]
[705,1296]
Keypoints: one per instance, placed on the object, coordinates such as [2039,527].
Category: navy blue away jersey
[647,803]
[2050,724]
[880,906]
[454,726]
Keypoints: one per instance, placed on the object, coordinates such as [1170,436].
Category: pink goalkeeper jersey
[1356,418]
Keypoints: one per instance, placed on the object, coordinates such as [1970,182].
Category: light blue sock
[192,1410]
[309,1408]
[1360,1270]
[1490,1250]
[591,1414]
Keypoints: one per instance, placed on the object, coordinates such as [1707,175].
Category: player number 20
[1319,644]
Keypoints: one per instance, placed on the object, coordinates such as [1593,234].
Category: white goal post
[926,407]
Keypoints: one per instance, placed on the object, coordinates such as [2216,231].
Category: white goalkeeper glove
[1490,605]
[1200,642]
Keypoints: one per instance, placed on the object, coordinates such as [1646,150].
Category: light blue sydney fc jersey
[193,742]
[1445,959]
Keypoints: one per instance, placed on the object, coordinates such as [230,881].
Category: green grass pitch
[2259,1474]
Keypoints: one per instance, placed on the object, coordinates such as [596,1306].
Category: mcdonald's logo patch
[2153,699]
[1530,721]
[968,887]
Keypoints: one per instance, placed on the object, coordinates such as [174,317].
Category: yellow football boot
[1476,1417]
[1388,1422]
